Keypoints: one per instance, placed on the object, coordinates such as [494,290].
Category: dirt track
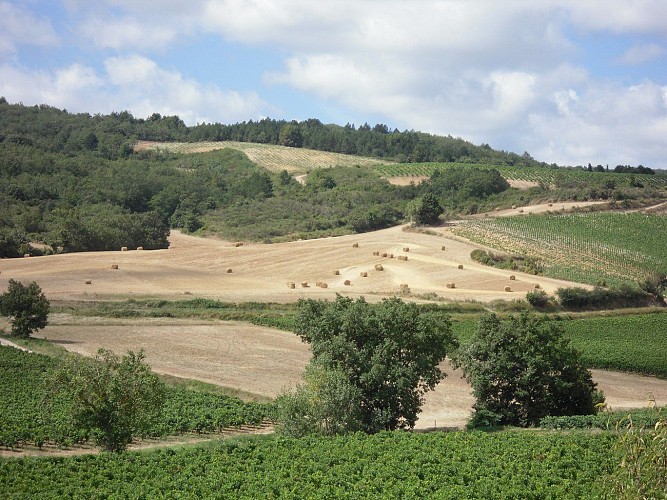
[259,272]
[264,361]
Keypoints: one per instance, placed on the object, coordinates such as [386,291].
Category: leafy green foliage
[521,263]
[388,351]
[577,298]
[115,399]
[326,404]
[643,469]
[27,306]
[522,369]
[388,465]
[606,420]
[424,210]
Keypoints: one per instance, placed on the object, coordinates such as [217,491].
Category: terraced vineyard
[273,158]
[589,248]
[545,175]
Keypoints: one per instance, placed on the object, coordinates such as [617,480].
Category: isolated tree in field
[326,404]
[27,307]
[290,135]
[424,210]
[522,369]
[388,351]
[114,399]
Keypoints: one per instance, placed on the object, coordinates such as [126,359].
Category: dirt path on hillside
[265,361]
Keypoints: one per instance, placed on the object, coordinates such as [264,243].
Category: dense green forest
[74,182]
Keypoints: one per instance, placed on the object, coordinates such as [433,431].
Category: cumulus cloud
[504,73]
[133,83]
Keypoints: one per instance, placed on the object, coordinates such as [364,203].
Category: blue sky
[571,82]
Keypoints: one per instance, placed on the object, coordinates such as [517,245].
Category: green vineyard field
[589,248]
[25,419]
[545,175]
[384,465]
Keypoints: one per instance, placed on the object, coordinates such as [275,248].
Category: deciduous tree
[27,306]
[522,369]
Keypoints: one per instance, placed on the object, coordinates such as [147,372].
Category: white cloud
[640,54]
[133,83]
[18,26]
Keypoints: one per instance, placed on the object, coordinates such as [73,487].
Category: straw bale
[363,274]
[347,282]
[229,270]
[123,249]
[406,249]
[304,284]
[460,266]
[26,255]
[238,244]
[385,254]
[291,285]
[451,284]
[336,272]
[140,248]
[512,277]
[355,245]
[378,267]
[508,289]
[443,247]
[537,286]
[402,257]
[376,254]
[89,282]
[114,266]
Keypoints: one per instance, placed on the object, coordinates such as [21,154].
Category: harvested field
[263,361]
[272,157]
[199,267]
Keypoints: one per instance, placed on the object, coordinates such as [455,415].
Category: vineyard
[273,158]
[589,248]
[29,417]
[543,175]
[387,465]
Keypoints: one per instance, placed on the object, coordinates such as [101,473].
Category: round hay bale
[89,282]
[521,210]
[497,209]
[114,266]
[508,289]
[550,204]
[304,284]
[404,287]
[376,254]
[140,248]
[378,267]
[324,285]
[229,270]
[512,277]
[336,272]
[391,255]
[363,274]
[355,245]
[451,284]
[347,283]
[123,249]
[402,257]
[537,286]
[406,249]
[460,266]
[385,254]
[238,244]
[25,255]
[291,285]
[443,247]
[513,207]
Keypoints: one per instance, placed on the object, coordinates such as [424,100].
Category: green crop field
[385,465]
[545,175]
[25,419]
[589,248]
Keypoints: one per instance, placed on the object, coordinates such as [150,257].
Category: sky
[571,82]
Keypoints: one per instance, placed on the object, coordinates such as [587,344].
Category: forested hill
[111,136]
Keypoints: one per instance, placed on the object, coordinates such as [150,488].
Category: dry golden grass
[273,158]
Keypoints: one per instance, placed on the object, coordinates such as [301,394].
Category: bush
[538,298]
[601,298]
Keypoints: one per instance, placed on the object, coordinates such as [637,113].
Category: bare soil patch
[265,361]
[559,207]
[406,180]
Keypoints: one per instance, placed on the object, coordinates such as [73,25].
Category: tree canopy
[388,351]
[114,398]
[522,369]
[27,306]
